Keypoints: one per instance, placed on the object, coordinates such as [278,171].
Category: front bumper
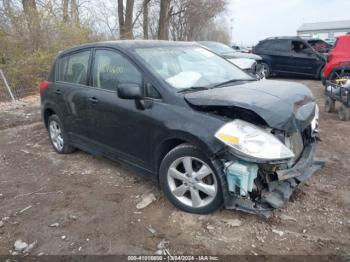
[278,193]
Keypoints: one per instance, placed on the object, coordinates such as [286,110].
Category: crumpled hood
[282,105]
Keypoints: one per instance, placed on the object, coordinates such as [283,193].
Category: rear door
[71,88]
[280,54]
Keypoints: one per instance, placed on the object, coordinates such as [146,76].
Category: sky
[255,20]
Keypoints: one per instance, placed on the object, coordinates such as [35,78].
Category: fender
[208,149]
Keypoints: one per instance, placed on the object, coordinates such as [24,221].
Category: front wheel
[189,181]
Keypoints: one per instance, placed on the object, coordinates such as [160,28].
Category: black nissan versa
[210,134]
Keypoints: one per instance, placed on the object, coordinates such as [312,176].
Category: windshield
[186,67]
[218,48]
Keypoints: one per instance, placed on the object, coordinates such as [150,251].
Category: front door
[304,60]
[118,125]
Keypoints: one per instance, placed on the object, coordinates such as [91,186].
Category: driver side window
[111,68]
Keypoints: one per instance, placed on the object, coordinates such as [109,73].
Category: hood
[243,63]
[282,105]
[241,55]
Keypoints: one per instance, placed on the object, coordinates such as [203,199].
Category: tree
[145,24]
[125,20]
[74,12]
[65,4]
[163,27]
[29,7]
[194,19]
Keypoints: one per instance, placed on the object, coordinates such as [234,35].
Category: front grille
[295,144]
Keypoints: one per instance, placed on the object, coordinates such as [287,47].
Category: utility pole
[231,30]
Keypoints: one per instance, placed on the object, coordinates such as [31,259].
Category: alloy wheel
[192,182]
[56,135]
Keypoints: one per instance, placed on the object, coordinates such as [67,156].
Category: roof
[284,38]
[331,25]
[127,44]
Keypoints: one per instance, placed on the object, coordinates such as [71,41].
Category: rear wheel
[189,181]
[343,113]
[58,137]
[329,105]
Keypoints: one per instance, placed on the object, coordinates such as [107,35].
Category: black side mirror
[130,91]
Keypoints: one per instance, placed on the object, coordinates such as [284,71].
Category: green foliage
[28,46]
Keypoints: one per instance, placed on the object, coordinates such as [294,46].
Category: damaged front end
[270,133]
[258,186]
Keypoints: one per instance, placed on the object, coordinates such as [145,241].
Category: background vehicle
[338,60]
[291,56]
[338,90]
[209,133]
[320,45]
[241,49]
[250,63]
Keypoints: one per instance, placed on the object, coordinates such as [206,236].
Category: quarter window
[73,68]
[111,68]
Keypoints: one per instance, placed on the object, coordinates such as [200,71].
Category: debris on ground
[63,237]
[210,227]
[20,245]
[278,232]
[151,229]
[287,218]
[30,247]
[55,225]
[73,217]
[146,201]
[25,209]
[233,222]
[162,248]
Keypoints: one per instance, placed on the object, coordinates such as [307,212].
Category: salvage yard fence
[10,91]
[5,87]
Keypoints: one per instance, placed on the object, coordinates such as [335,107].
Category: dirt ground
[94,201]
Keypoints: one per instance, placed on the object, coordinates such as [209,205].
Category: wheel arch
[46,115]
[173,141]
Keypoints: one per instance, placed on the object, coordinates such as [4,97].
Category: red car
[338,62]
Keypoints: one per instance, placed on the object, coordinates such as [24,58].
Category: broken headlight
[253,141]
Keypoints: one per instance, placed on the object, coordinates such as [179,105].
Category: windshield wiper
[233,81]
[193,88]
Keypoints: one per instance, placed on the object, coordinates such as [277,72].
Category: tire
[57,136]
[190,197]
[329,105]
[343,113]
[267,70]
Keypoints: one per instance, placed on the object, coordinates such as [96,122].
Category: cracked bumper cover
[279,192]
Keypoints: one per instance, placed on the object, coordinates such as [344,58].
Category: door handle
[93,100]
[58,92]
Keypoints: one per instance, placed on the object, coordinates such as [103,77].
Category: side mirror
[130,91]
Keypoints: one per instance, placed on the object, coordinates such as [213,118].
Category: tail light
[43,86]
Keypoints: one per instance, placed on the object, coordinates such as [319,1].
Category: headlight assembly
[252,141]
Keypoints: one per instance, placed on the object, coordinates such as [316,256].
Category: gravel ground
[90,202]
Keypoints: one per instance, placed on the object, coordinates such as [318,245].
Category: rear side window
[278,45]
[74,68]
[111,68]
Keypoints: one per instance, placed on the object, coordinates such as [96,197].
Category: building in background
[324,30]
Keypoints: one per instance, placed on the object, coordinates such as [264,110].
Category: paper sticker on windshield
[204,52]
